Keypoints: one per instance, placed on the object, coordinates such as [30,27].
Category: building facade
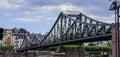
[19,34]
[14,37]
[99,43]
[8,38]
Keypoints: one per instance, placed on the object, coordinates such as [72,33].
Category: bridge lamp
[115,7]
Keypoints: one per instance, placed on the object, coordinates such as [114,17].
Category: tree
[109,43]
[3,48]
[10,47]
[6,48]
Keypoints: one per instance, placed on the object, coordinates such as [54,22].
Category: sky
[38,16]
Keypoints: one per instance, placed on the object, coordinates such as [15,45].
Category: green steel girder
[70,28]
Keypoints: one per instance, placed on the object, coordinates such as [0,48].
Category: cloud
[50,19]
[32,5]
[27,9]
[87,10]
[7,14]
[107,19]
[36,19]
[53,8]
[60,7]
[13,4]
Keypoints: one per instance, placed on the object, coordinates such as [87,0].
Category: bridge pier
[115,42]
[72,53]
[30,55]
[75,53]
[78,52]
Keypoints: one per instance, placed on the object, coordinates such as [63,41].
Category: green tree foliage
[2,47]
[109,43]
[5,48]
[98,48]
[10,47]
[87,48]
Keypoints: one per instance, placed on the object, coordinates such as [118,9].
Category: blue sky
[39,15]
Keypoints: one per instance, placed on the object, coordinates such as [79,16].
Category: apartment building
[14,37]
[19,34]
[8,38]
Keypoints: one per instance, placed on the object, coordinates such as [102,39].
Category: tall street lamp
[115,7]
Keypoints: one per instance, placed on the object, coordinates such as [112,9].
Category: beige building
[8,38]
[14,37]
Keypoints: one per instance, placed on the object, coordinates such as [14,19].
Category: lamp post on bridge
[115,7]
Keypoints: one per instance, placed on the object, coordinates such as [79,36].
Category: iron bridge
[70,27]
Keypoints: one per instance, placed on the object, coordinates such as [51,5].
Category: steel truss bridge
[70,27]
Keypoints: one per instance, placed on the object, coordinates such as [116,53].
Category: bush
[87,48]
[97,48]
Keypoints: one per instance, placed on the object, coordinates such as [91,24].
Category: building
[38,36]
[8,38]
[19,34]
[14,37]
[99,43]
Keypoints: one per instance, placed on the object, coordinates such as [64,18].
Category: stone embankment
[68,53]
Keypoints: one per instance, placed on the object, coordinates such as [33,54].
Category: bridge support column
[115,42]
[78,52]
[72,53]
[24,55]
[30,55]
